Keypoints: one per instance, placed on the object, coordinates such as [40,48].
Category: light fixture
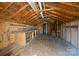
[34,7]
[32,4]
[41,13]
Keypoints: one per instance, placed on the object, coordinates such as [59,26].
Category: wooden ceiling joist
[34,21]
[63,7]
[7,7]
[30,16]
[61,11]
[73,4]
[56,17]
[19,11]
[59,15]
[34,18]
[28,19]
[27,12]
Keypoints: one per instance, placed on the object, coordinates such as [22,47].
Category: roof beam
[32,15]
[71,4]
[18,11]
[52,18]
[36,21]
[28,12]
[56,17]
[32,18]
[61,7]
[35,17]
[22,22]
[27,19]
[60,16]
[7,7]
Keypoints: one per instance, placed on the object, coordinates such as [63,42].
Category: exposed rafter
[71,4]
[61,7]
[63,12]
[19,11]
[60,15]
[28,12]
[7,7]
[56,17]
[32,15]
[35,17]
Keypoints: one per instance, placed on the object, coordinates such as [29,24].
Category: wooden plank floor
[46,46]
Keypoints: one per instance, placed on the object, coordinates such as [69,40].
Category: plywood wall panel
[68,34]
[21,39]
[72,35]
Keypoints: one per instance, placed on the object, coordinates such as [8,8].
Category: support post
[32,35]
[78,36]
[35,33]
[57,28]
